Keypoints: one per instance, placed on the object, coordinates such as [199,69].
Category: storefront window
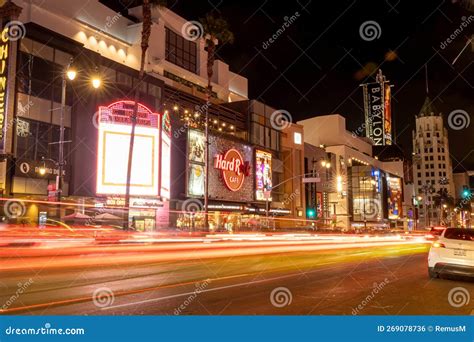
[34,140]
[367,205]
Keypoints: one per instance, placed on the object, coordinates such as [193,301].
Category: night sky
[316,66]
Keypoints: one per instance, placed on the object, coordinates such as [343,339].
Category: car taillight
[439,245]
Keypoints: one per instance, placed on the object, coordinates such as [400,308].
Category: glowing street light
[96,82]
[339,184]
[71,74]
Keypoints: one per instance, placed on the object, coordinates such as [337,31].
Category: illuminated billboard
[378,114]
[387,114]
[165,156]
[151,153]
[232,165]
[196,172]
[196,146]
[263,175]
[394,197]
[4,84]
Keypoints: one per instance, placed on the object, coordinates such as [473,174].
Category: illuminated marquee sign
[4,42]
[233,168]
[121,112]
[151,155]
[377,105]
[375,113]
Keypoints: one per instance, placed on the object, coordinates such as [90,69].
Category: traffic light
[466,192]
[310,212]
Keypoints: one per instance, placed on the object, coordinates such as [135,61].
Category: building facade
[318,168]
[368,192]
[432,167]
[104,45]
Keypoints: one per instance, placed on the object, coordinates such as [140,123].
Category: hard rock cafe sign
[234,169]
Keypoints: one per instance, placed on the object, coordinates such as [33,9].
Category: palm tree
[215,30]
[147,5]
[442,198]
[462,205]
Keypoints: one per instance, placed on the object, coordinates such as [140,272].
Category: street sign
[311,180]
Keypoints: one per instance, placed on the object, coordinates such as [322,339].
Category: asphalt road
[385,280]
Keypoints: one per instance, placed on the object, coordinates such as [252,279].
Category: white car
[452,253]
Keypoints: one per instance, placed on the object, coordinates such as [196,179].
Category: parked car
[452,253]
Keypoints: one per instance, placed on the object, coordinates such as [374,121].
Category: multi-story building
[432,168]
[368,192]
[319,170]
[101,44]
[167,172]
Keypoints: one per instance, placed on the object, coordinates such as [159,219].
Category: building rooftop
[428,108]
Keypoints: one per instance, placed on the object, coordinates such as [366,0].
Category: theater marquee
[150,167]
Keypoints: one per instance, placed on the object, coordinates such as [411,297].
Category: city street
[291,275]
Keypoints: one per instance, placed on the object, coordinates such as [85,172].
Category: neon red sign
[233,168]
[120,113]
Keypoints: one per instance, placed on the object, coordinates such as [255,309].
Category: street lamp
[314,188]
[71,73]
[96,82]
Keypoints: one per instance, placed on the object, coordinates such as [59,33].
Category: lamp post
[418,201]
[69,73]
[326,164]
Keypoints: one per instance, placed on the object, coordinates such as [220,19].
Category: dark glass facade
[180,51]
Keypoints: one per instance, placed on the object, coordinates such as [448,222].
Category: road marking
[215,288]
[201,291]
[121,293]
